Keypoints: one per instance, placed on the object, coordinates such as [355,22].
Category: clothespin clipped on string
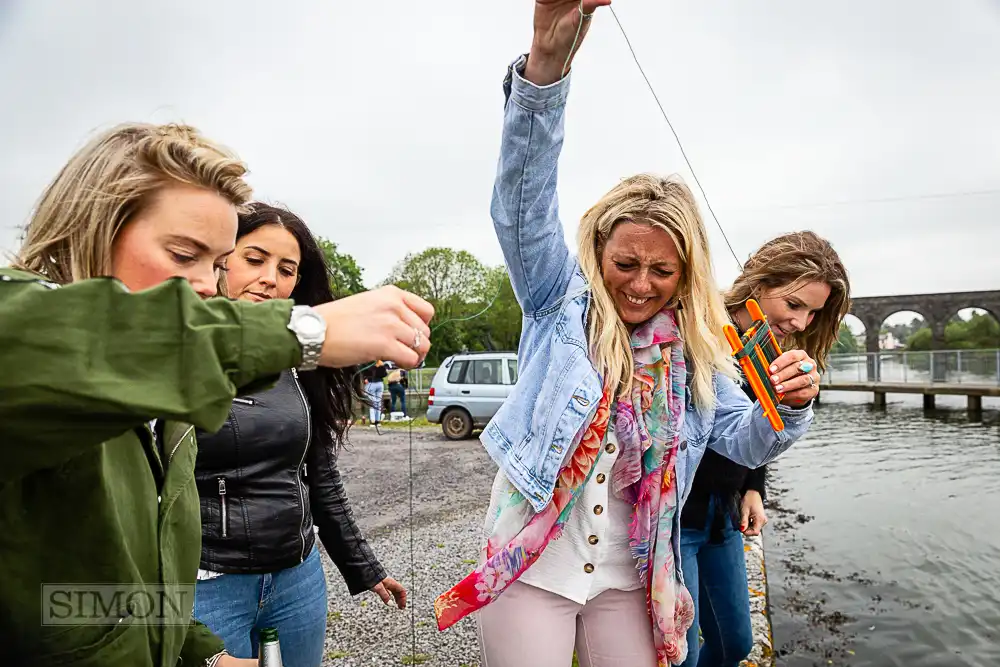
[755,351]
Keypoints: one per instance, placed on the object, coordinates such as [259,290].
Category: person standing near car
[397,389]
[374,390]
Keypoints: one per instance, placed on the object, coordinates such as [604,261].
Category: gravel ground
[450,495]
[451,481]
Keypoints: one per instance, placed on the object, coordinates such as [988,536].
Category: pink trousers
[529,627]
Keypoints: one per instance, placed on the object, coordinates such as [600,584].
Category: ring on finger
[812,383]
[416,338]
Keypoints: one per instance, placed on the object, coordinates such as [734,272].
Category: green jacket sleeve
[85,362]
[199,645]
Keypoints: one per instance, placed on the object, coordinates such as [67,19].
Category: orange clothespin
[755,351]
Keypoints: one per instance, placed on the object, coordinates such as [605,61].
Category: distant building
[887,341]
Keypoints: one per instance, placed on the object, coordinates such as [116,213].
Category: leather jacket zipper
[298,471]
[222,500]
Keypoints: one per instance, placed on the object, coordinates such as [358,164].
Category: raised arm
[525,206]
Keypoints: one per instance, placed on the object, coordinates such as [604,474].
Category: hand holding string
[560,28]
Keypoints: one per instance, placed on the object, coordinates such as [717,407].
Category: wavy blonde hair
[785,264]
[107,182]
[668,204]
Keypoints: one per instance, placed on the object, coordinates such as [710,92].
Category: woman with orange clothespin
[793,293]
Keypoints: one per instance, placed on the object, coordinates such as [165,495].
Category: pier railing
[965,367]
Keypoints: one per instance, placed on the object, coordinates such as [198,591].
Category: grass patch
[576,663]
[469,561]
[333,616]
[418,422]
[334,655]
[418,659]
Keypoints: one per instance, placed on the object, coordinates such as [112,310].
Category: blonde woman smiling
[624,382]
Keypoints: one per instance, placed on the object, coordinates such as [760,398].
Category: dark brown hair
[788,262]
[330,390]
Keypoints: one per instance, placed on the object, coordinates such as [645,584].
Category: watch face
[310,325]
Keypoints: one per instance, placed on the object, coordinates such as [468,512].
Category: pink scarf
[643,476]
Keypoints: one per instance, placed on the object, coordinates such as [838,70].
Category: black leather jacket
[264,484]
[728,481]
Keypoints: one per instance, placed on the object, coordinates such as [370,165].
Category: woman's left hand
[794,375]
[752,515]
[388,589]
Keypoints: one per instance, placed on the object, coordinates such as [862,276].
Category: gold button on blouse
[598,509]
[601,477]
[592,539]
[588,568]
[610,448]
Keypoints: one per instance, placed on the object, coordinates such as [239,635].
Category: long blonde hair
[107,182]
[786,263]
[665,203]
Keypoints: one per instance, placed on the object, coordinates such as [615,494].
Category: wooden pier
[974,393]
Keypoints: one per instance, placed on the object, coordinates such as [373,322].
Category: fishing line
[437,326]
[413,567]
[708,204]
[649,85]
[378,431]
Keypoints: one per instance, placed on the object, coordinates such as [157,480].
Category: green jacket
[90,506]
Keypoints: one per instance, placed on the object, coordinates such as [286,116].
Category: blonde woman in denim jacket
[624,382]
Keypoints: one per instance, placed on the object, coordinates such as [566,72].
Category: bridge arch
[907,322]
[936,309]
[974,328]
[851,337]
[995,314]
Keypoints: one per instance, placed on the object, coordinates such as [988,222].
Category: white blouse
[592,554]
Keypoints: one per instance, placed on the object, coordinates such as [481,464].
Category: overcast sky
[379,122]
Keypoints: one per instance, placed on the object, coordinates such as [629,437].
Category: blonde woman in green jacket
[112,350]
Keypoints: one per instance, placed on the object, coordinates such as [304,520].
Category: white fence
[970,367]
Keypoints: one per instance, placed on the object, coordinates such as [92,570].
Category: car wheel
[456,424]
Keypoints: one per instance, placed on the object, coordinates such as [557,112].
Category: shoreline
[763,654]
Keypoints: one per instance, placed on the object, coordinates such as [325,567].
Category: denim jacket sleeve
[741,431]
[525,206]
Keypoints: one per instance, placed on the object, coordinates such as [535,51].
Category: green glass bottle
[269,650]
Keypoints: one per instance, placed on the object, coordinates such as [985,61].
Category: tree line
[461,288]
[475,308]
[979,332]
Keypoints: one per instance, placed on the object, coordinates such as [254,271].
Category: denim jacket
[558,388]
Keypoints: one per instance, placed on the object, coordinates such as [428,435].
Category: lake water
[884,546]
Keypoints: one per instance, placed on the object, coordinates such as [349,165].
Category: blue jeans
[237,606]
[716,577]
[397,391]
[374,390]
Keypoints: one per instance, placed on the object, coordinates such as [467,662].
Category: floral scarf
[643,476]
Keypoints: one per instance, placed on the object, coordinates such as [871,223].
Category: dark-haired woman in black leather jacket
[268,479]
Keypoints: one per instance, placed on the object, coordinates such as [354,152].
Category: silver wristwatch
[310,328]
